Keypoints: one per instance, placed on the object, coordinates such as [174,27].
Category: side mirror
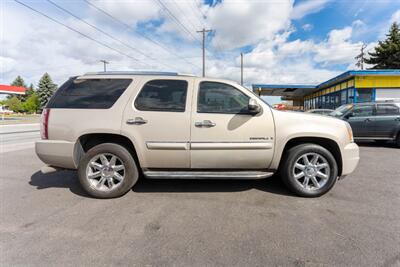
[253,107]
[348,116]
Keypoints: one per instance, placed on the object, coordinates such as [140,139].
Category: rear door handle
[205,123]
[397,119]
[367,120]
[136,121]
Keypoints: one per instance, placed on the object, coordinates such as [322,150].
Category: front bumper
[56,153]
[350,158]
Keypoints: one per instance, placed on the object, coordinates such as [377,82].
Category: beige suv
[116,126]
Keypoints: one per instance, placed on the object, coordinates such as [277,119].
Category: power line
[78,32]
[105,33]
[177,21]
[144,36]
[183,12]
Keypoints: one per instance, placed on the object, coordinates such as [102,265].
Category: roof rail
[156,73]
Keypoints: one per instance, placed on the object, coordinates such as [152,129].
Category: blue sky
[284,41]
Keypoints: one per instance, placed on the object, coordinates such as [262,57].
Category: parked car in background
[320,111]
[5,111]
[112,127]
[379,121]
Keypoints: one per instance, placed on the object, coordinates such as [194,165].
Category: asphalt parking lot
[47,220]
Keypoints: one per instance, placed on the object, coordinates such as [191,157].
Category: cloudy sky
[283,41]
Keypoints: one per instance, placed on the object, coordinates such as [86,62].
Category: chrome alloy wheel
[311,171]
[105,172]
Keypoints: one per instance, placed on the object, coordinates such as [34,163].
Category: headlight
[349,132]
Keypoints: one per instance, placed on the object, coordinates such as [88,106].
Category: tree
[30,90]
[31,105]
[387,52]
[14,104]
[19,81]
[46,89]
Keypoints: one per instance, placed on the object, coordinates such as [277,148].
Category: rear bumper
[56,153]
[350,158]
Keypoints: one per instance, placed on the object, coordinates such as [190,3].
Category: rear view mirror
[253,107]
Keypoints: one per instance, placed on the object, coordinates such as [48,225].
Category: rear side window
[363,111]
[89,93]
[162,95]
[387,110]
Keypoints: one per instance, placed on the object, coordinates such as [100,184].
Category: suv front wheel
[107,171]
[309,170]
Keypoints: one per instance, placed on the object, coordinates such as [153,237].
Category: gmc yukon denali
[114,127]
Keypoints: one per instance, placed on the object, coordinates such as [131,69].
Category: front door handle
[136,121]
[367,120]
[397,119]
[205,123]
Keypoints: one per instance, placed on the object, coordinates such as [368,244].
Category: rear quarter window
[89,93]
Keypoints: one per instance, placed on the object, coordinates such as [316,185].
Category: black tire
[124,156]
[287,170]
[398,140]
[381,142]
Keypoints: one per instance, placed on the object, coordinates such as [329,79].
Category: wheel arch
[329,144]
[89,140]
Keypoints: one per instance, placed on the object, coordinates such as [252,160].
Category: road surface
[18,136]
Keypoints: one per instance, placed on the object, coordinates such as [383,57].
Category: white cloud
[307,27]
[395,17]
[239,23]
[308,7]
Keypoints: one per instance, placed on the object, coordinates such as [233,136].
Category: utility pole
[204,31]
[105,62]
[361,57]
[241,68]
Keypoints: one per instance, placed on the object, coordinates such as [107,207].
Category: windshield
[341,110]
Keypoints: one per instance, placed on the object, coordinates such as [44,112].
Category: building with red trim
[9,89]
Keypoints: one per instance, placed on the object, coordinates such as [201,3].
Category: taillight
[44,126]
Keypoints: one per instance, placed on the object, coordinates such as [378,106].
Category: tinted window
[89,93]
[162,95]
[221,98]
[387,110]
[362,111]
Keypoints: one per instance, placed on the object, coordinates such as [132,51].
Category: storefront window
[343,97]
[364,95]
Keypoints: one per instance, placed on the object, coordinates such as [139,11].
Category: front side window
[387,110]
[362,111]
[162,95]
[216,97]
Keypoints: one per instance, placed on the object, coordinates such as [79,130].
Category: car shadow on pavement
[272,185]
[68,179]
[59,179]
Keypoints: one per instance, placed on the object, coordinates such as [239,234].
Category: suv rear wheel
[309,170]
[107,171]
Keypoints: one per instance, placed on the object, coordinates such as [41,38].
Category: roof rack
[155,73]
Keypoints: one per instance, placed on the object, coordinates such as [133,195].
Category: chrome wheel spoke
[300,166]
[315,182]
[305,159]
[113,160]
[110,183]
[101,182]
[117,176]
[104,159]
[96,165]
[322,175]
[322,166]
[119,167]
[94,175]
[299,175]
[305,182]
[314,159]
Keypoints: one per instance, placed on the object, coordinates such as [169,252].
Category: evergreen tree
[19,81]
[46,89]
[30,90]
[387,52]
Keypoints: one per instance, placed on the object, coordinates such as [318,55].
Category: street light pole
[241,68]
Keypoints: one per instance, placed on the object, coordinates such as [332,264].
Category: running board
[239,175]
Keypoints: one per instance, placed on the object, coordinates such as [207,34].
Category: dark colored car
[379,121]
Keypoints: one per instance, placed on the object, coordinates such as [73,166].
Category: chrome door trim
[168,145]
[230,145]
